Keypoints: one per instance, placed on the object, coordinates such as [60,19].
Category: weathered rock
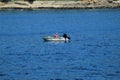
[61,4]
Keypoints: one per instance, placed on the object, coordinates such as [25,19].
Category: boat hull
[49,38]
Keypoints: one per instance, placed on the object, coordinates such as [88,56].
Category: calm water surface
[92,54]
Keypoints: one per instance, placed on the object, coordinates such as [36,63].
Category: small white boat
[49,38]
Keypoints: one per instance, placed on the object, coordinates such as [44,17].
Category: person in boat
[56,35]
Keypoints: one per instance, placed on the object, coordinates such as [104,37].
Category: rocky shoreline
[59,5]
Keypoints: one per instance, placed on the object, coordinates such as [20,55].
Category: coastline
[57,5]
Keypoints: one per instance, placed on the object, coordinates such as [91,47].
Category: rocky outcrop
[61,4]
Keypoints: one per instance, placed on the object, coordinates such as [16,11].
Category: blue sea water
[93,52]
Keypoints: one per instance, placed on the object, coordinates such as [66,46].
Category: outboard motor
[66,36]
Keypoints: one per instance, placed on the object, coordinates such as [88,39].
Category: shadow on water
[3,74]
